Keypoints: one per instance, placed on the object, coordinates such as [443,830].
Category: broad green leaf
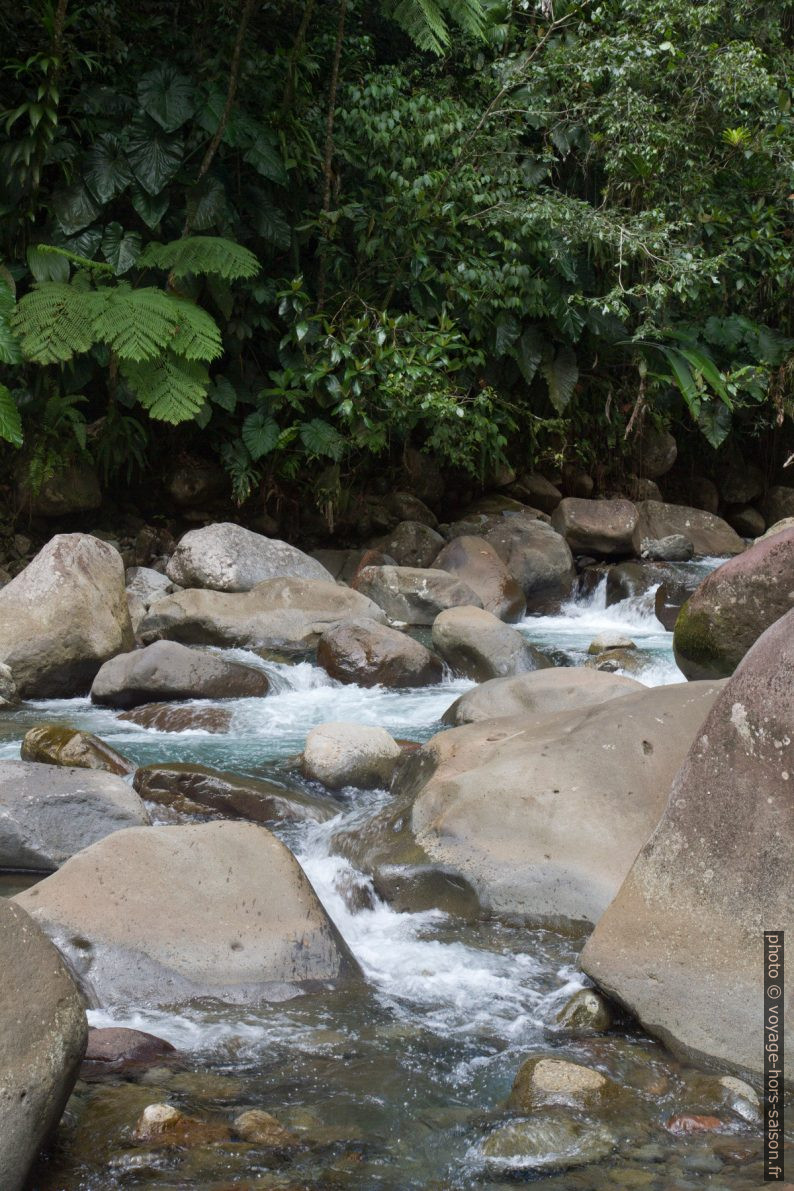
[155,155]
[265,156]
[151,208]
[10,352]
[528,353]
[714,420]
[708,370]
[320,438]
[206,205]
[505,333]
[105,167]
[74,209]
[10,421]
[120,249]
[222,393]
[260,435]
[272,226]
[683,378]
[561,375]
[167,96]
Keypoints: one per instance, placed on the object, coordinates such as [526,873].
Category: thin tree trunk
[328,156]
[297,46]
[231,93]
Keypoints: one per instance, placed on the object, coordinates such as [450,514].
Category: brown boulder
[537,557]
[413,595]
[370,654]
[709,535]
[179,717]
[604,528]
[115,1048]
[56,744]
[476,563]
[195,789]
[410,544]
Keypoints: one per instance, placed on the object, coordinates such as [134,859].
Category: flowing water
[396,1085]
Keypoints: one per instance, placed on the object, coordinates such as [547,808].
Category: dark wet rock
[543,692]
[167,670]
[48,813]
[195,789]
[683,933]
[537,557]
[410,544]
[57,744]
[586,1012]
[655,450]
[228,557]
[733,606]
[193,482]
[604,528]
[179,717]
[163,915]
[63,616]
[343,754]
[741,483]
[641,488]
[476,563]
[370,654]
[550,1140]
[779,503]
[74,489]
[41,1043]
[476,644]
[541,493]
[710,535]
[118,1049]
[674,548]
[746,520]
[413,595]
[286,615]
[577,482]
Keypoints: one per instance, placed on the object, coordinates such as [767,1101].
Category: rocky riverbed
[333,836]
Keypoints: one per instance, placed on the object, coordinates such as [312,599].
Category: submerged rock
[63,616]
[164,1125]
[478,645]
[167,670]
[196,790]
[549,1141]
[684,932]
[370,654]
[476,563]
[262,1129]
[733,606]
[540,693]
[41,1043]
[411,595]
[587,1012]
[287,615]
[48,813]
[162,915]
[542,1081]
[57,744]
[228,557]
[338,755]
[115,1048]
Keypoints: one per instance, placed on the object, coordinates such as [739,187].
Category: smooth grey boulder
[288,615]
[42,1041]
[476,563]
[344,754]
[371,654]
[543,692]
[8,688]
[605,528]
[538,558]
[63,616]
[540,816]
[148,585]
[681,944]
[476,644]
[48,813]
[733,605]
[410,544]
[167,670]
[674,548]
[162,915]
[413,595]
[710,535]
[778,527]
[228,557]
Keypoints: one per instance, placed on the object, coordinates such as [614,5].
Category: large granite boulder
[63,616]
[681,944]
[42,1041]
[47,813]
[147,585]
[476,644]
[732,607]
[228,557]
[605,528]
[370,654]
[476,563]
[710,535]
[537,557]
[540,816]
[413,595]
[543,692]
[163,915]
[58,744]
[196,790]
[410,544]
[287,615]
[341,754]
[167,670]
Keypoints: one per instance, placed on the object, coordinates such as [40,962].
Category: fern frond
[426,21]
[137,324]
[55,321]
[10,421]
[199,255]
[9,348]
[172,390]
[198,336]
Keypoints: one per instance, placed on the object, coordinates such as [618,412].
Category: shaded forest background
[329,248]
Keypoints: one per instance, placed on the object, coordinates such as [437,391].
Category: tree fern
[426,21]
[170,389]
[137,324]
[9,347]
[55,321]
[201,255]
[197,335]
[10,421]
